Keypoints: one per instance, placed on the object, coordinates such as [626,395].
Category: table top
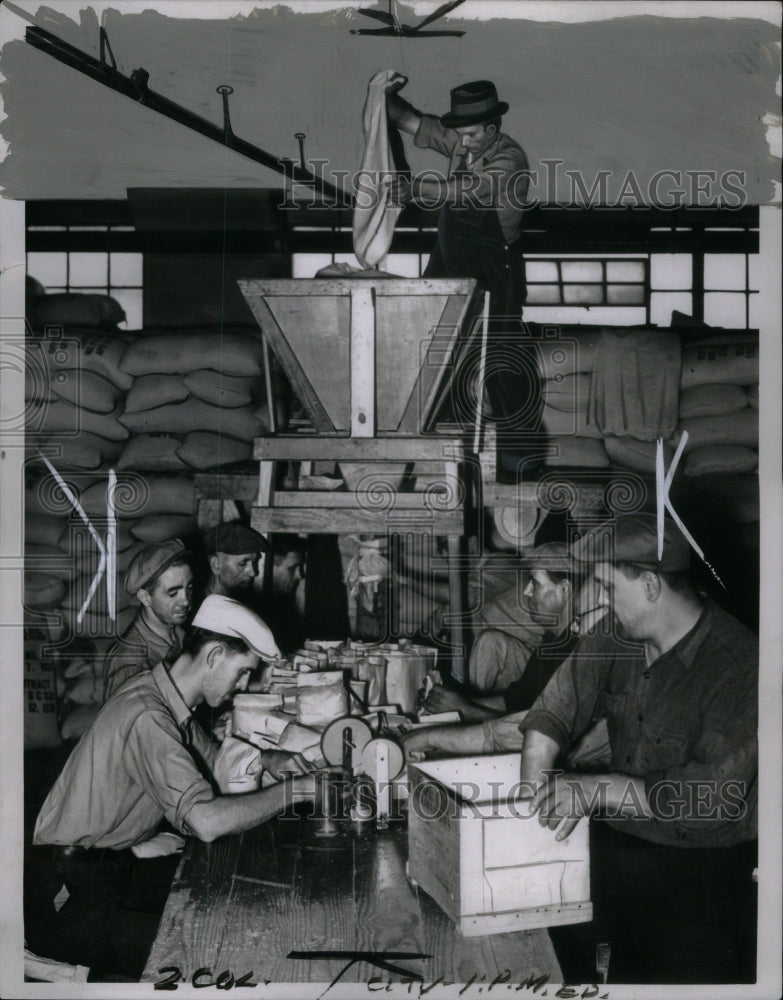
[245,903]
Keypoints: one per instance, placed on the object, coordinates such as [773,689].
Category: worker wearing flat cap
[234,551]
[479,230]
[555,596]
[673,838]
[145,758]
[161,579]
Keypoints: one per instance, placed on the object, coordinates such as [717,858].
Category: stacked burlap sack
[193,401]
[717,406]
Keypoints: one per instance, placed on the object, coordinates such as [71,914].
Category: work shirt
[499,177]
[143,758]
[139,648]
[544,661]
[686,723]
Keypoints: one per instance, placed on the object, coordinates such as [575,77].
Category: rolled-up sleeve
[165,769]
[432,135]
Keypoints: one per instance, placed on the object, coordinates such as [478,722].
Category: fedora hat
[473,103]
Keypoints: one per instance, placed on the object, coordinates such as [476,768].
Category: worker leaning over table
[556,597]
[673,839]
[145,759]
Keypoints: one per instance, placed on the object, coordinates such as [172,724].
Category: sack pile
[718,407]
[566,364]
[194,399]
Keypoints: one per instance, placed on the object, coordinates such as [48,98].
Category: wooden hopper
[367,357]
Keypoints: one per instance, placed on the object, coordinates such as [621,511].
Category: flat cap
[555,556]
[234,538]
[633,538]
[228,617]
[151,561]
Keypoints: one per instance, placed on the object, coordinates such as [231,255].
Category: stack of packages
[718,404]
[324,681]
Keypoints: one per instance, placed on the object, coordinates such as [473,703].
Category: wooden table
[245,903]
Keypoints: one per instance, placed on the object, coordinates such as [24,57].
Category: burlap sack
[149,391]
[86,389]
[180,352]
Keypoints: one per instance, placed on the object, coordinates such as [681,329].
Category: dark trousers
[471,245]
[111,916]
[672,914]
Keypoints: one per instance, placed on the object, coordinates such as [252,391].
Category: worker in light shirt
[143,760]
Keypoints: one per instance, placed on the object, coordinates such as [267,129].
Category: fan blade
[443,9]
[379,15]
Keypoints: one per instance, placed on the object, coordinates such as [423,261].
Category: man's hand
[443,699]
[395,82]
[281,764]
[400,188]
[415,743]
[563,800]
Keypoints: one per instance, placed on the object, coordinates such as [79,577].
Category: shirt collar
[171,694]
[687,648]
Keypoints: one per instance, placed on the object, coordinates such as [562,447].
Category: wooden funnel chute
[365,356]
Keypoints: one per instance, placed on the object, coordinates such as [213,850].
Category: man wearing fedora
[161,579]
[479,228]
[674,820]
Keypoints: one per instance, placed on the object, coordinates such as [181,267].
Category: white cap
[226,616]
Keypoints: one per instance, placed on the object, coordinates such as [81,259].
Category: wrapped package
[321,697]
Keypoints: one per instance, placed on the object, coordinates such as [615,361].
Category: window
[116,274]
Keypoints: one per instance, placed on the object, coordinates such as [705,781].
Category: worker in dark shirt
[550,594]
[554,580]
[673,838]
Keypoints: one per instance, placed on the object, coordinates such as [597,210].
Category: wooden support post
[362,363]
[455,609]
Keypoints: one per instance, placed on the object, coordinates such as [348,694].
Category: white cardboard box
[478,854]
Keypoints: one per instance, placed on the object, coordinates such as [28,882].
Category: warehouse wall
[633,93]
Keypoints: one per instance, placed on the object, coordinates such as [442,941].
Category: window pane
[625,270]
[670,270]
[724,270]
[755,270]
[583,294]
[611,315]
[582,270]
[404,264]
[126,269]
[131,301]
[48,268]
[760,313]
[306,264]
[724,309]
[662,304]
[543,294]
[625,294]
[541,270]
[89,269]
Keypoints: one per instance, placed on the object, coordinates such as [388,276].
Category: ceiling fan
[394,27]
